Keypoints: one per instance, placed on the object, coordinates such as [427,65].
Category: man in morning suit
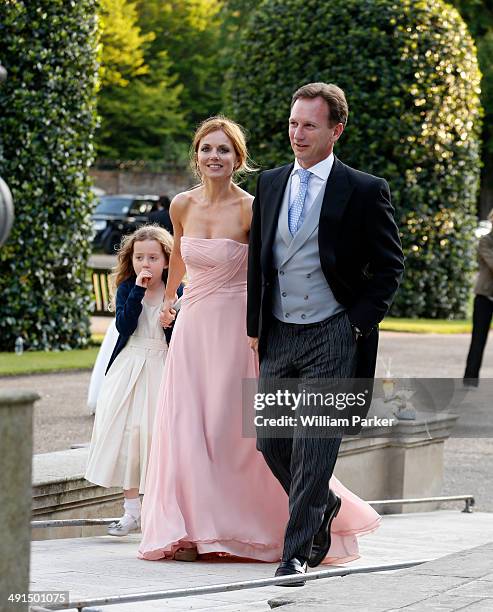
[325,261]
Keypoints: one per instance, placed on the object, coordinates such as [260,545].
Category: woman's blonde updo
[234,132]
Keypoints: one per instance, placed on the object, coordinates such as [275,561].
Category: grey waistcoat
[301,293]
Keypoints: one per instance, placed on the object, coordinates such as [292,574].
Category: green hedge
[410,73]
[46,135]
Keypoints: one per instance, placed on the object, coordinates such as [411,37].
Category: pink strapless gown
[206,484]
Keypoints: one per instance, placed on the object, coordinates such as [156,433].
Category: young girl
[121,437]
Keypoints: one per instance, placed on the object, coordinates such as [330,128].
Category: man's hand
[253,342]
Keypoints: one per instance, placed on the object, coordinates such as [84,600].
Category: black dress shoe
[288,568]
[321,541]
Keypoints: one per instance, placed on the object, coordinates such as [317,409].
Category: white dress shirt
[320,174]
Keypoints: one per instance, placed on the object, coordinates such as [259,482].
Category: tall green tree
[234,15]
[190,33]
[165,65]
[143,120]
[122,43]
[139,102]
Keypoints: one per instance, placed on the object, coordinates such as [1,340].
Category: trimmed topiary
[46,133]
[410,73]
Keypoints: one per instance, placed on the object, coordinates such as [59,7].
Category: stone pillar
[408,463]
[15,494]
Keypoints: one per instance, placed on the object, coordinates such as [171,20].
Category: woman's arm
[177,268]
[246,213]
[254,276]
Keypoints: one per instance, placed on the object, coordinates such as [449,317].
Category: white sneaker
[124,526]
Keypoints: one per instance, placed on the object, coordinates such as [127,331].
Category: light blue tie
[296,207]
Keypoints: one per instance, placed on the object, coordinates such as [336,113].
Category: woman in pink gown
[208,489]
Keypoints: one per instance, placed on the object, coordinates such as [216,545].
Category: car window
[113,205]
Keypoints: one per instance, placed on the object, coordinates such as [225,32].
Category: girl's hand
[167,314]
[143,278]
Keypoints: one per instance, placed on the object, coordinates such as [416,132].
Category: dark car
[118,215]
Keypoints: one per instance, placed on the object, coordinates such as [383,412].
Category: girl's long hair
[124,268]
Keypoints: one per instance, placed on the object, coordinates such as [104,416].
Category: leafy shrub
[410,73]
[46,133]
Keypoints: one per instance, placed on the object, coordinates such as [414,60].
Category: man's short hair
[332,94]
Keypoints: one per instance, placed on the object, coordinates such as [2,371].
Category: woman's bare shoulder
[246,200]
[181,200]
[244,197]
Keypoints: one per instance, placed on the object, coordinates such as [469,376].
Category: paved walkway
[106,566]
[428,355]
[102,261]
[461,581]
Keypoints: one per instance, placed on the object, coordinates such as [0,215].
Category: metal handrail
[72,522]
[468,499]
[228,587]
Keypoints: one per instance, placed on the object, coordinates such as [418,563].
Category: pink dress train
[206,484]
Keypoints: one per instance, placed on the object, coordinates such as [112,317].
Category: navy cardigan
[129,298]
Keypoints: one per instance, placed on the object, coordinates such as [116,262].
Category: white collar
[322,169]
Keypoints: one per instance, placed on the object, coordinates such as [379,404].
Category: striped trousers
[303,464]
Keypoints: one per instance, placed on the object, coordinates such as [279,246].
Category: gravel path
[61,417]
